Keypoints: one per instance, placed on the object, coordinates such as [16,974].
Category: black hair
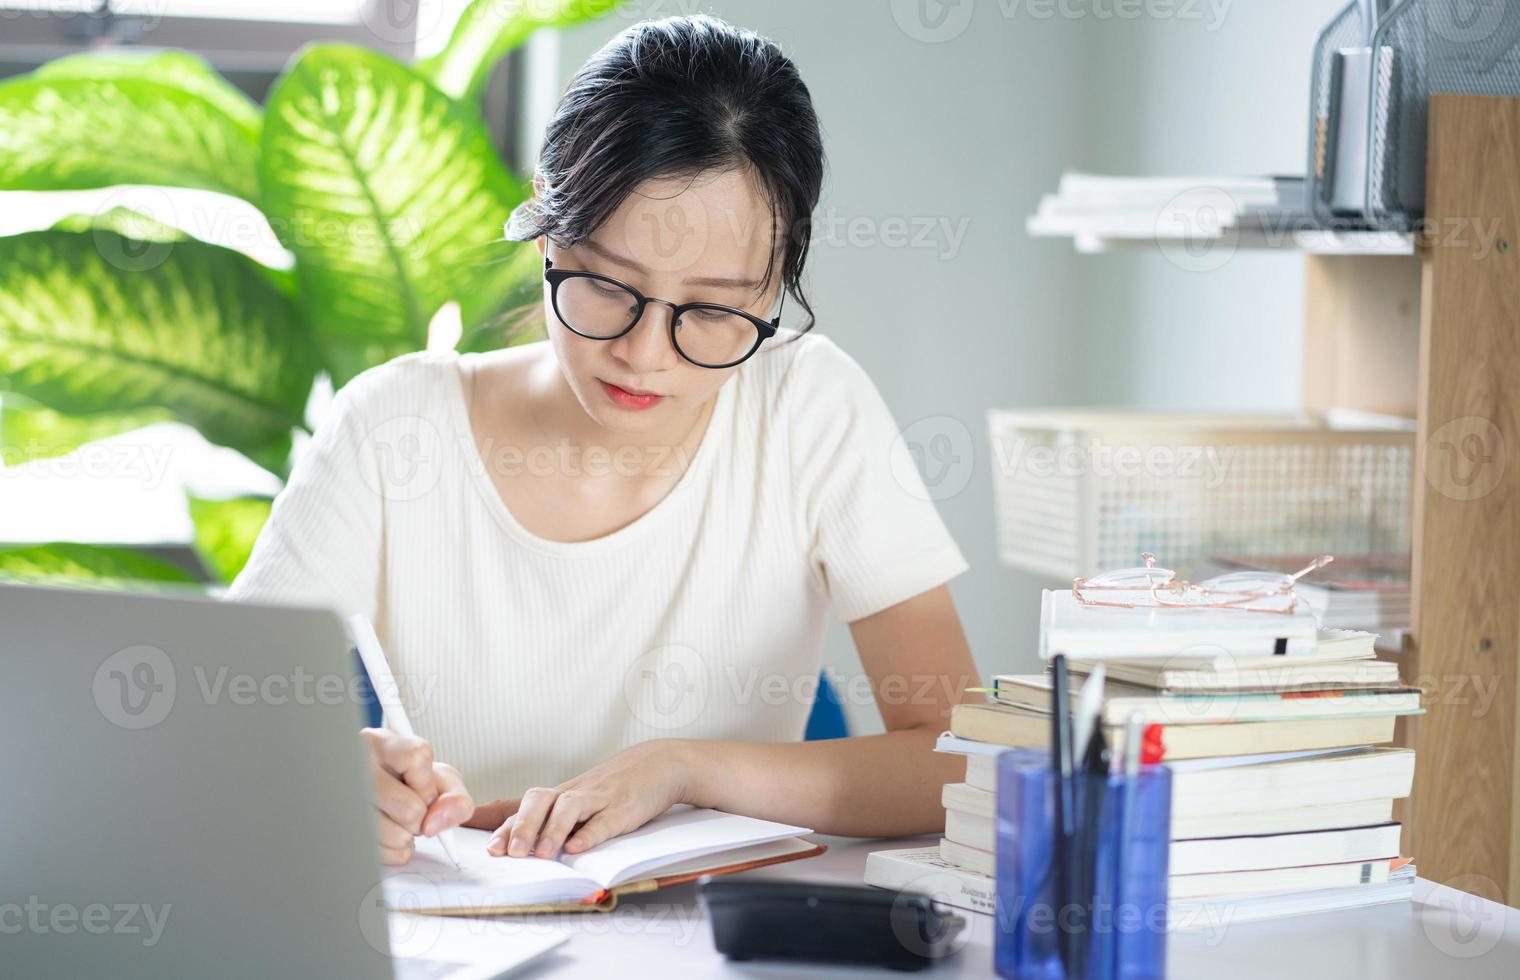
[673,98]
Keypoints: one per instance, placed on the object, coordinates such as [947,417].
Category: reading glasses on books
[1149,586]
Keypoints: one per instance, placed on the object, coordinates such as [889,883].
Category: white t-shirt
[527,661]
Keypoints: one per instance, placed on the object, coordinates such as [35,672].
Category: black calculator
[772,919]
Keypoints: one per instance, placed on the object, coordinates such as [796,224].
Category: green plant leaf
[99,119]
[522,318]
[488,29]
[93,322]
[30,432]
[392,198]
[225,531]
[63,562]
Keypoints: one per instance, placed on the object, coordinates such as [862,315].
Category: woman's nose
[647,346]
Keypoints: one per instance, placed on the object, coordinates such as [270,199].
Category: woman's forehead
[713,229]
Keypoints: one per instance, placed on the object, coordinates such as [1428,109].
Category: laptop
[187,795]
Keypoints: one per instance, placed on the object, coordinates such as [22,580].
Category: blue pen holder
[1120,920]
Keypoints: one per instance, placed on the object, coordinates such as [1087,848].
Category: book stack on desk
[1283,790]
[938,870]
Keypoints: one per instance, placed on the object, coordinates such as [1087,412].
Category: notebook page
[678,834]
[430,881]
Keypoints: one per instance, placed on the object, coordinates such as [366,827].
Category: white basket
[1081,492]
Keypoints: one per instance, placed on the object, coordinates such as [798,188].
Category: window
[249,41]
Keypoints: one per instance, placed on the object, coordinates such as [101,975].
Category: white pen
[383,683]
[1089,708]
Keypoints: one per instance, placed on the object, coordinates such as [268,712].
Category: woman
[602,564]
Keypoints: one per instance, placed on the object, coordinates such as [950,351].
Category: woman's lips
[629,400]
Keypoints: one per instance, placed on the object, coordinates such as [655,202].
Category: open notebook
[679,845]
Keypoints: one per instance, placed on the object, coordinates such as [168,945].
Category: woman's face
[672,239]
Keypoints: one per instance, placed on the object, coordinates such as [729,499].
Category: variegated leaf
[93,322]
[392,198]
[488,29]
[96,120]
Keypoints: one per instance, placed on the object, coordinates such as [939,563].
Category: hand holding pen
[415,795]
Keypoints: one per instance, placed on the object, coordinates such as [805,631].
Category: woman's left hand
[618,796]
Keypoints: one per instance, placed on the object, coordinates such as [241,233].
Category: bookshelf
[1428,327]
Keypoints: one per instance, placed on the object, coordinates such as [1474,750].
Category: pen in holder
[1100,912]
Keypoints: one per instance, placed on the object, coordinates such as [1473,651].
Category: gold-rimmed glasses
[1151,586]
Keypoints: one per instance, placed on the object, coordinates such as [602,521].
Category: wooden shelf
[1435,336]
[1431,330]
[1315,242]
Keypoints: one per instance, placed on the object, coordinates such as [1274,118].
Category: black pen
[1064,814]
[1093,777]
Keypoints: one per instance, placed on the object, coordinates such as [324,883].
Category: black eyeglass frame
[763,330]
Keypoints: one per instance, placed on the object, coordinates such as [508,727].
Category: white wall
[967,125]
[1218,96]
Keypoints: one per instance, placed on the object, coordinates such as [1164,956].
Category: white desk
[1444,934]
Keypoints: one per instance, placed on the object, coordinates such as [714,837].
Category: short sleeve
[322,543]
[871,530]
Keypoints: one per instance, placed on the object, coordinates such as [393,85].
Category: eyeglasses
[1250,591]
[708,335]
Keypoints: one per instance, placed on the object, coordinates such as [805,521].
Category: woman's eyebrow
[716,282]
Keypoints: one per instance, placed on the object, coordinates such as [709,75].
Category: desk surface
[1444,933]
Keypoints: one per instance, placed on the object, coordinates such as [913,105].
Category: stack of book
[1096,209]
[1283,787]
[943,870]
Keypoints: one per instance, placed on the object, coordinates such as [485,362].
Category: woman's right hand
[413,794]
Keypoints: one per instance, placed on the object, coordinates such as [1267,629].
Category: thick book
[680,845]
[1233,784]
[1218,912]
[1218,854]
[1321,847]
[921,869]
[1086,632]
[1339,645]
[971,829]
[1120,700]
[979,860]
[1005,725]
[1284,674]
[1346,875]
[1201,816]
